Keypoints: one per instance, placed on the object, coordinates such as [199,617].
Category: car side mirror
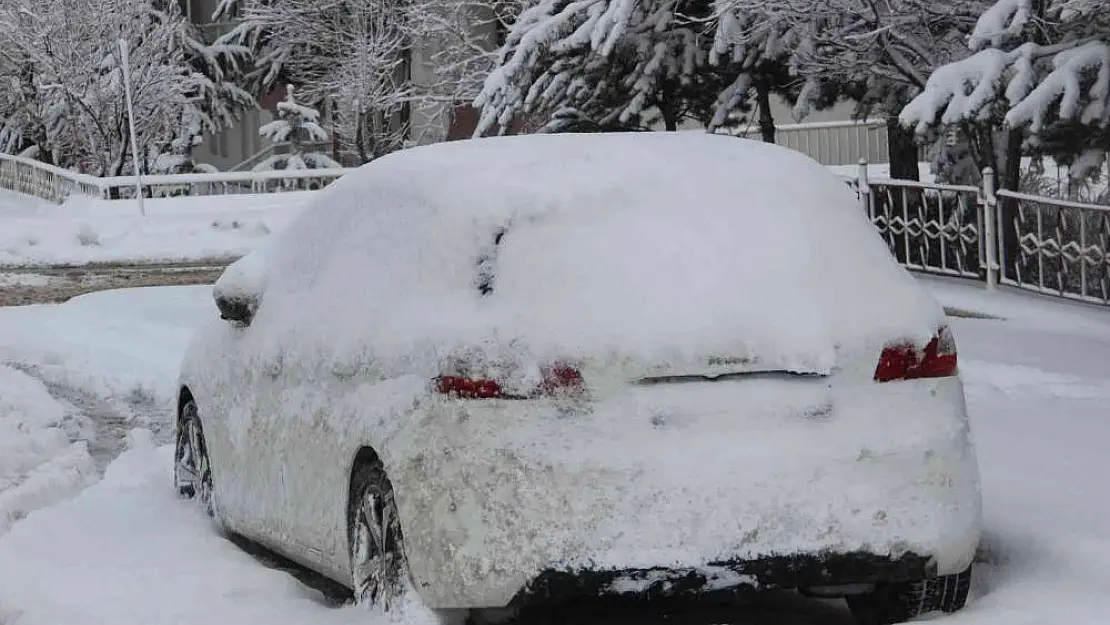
[238,291]
[238,309]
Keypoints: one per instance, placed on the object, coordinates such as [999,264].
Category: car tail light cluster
[906,361]
[555,380]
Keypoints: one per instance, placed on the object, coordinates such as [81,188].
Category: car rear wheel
[192,470]
[898,603]
[378,566]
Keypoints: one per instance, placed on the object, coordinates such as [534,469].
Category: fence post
[863,187]
[990,213]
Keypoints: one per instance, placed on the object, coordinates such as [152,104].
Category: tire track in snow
[111,418]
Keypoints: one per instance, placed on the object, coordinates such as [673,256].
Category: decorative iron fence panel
[1063,247]
[930,228]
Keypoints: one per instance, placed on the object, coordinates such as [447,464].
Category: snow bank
[39,466]
[88,230]
[129,551]
[124,344]
[610,247]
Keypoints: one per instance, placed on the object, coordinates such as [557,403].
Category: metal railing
[1054,246]
[1046,245]
[55,185]
[46,182]
[222,183]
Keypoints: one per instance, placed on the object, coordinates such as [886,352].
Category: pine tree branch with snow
[615,64]
[1044,66]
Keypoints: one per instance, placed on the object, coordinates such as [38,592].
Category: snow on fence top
[54,184]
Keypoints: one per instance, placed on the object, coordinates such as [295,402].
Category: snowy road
[126,550]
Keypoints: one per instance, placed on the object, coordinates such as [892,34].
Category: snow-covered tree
[877,54]
[298,126]
[1040,65]
[615,64]
[372,65]
[69,106]
[351,55]
[759,47]
[369,84]
[462,43]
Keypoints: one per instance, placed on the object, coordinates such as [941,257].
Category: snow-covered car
[527,369]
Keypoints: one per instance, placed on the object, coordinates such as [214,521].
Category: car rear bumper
[882,485]
[798,571]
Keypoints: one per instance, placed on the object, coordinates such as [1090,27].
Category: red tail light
[468,388]
[905,361]
[556,379]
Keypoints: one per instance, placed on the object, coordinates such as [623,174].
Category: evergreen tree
[297,126]
[615,65]
[1042,66]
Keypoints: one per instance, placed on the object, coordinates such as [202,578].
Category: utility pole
[126,59]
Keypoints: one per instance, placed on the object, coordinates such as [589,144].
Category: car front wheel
[378,566]
[192,470]
[898,603]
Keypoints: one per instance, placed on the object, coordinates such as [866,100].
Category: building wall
[237,144]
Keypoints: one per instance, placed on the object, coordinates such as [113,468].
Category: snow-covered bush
[297,126]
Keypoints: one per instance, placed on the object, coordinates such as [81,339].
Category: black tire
[379,570]
[192,467]
[898,603]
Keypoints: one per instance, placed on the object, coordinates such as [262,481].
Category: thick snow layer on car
[680,476]
[591,246]
[244,279]
[39,466]
[508,254]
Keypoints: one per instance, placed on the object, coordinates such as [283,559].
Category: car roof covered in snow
[639,244]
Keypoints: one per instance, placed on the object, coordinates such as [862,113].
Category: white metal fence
[55,185]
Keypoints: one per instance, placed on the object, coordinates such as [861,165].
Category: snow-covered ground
[127,550]
[40,464]
[84,230]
